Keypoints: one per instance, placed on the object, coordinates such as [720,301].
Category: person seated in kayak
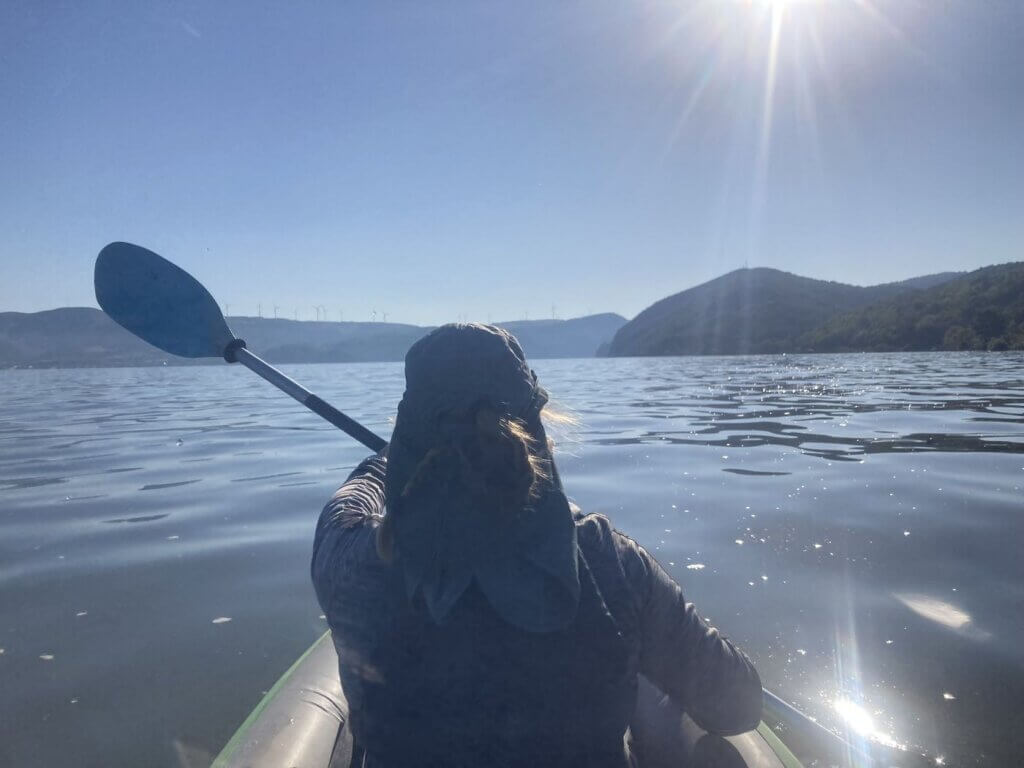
[479,617]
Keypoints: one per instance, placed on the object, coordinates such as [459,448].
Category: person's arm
[704,673]
[347,527]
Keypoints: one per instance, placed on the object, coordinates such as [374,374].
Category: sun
[785,3]
[757,60]
[783,6]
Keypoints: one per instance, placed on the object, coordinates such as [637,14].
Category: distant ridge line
[76,337]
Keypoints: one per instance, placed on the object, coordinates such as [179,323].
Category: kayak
[302,722]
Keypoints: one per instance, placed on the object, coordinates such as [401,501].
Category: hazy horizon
[303,314]
[492,161]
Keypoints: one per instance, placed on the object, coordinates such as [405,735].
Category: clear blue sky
[492,159]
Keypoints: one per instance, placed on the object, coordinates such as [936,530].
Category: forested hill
[763,311]
[86,337]
[983,309]
[749,311]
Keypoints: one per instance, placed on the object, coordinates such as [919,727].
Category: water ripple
[852,521]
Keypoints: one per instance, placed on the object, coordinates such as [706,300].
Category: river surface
[855,523]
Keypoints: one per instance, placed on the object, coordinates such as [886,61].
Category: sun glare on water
[861,723]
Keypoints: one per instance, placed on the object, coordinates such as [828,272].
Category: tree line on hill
[981,310]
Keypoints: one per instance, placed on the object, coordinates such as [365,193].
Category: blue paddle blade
[159,302]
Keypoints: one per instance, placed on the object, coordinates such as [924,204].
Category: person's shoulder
[598,537]
[591,524]
[595,528]
[360,499]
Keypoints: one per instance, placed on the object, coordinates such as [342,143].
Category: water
[854,522]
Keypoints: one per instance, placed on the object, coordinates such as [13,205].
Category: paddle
[165,306]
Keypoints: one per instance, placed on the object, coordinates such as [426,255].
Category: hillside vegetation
[983,309]
[764,311]
[749,311]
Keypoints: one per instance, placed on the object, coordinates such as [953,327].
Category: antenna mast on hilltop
[275,311]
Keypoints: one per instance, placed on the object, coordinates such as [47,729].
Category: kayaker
[479,617]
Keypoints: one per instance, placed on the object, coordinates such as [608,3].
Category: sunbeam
[767,118]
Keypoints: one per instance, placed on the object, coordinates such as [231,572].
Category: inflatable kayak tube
[301,723]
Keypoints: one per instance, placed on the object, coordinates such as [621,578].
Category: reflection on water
[137,519]
[165,486]
[943,613]
[853,522]
[936,610]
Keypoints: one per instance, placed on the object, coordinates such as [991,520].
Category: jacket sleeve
[345,533]
[703,673]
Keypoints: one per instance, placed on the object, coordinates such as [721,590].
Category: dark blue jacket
[476,690]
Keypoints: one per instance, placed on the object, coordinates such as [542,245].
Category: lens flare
[861,723]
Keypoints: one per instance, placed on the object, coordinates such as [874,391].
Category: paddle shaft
[323,409]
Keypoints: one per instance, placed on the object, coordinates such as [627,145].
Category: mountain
[85,337]
[764,311]
[748,311]
[983,309]
[70,337]
[293,341]
[551,338]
